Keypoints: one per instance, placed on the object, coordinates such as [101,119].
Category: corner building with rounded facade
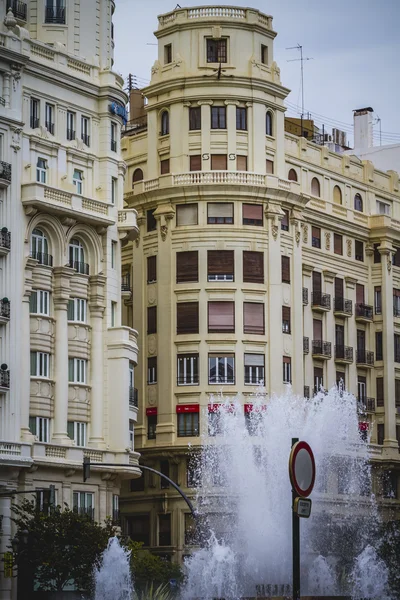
[261,257]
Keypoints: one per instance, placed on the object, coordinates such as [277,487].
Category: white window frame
[396,304]
[220,277]
[41,170]
[287,372]
[114,131]
[76,251]
[254,374]
[42,303]
[80,433]
[39,242]
[34,109]
[131,434]
[113,313]
[80,500]
[213,361]
[42,364]
[42,429]
[186,375]
[113,254]
[79,310]
[382,205]
[77,180]
[71,117]
[114,183]
[79,371]
[49,114]
[85,126]
[131,375]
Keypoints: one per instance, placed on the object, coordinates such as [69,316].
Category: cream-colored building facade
[66,378]
[261,256]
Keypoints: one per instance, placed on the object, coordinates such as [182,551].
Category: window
[221,369]
[315,187]
[382,208]
[191,535]
[167,54]
[77,368]
[164,530]
[41,168]
[359,250]
[165,122]
[268,123]
[377,254]
[151,319]
[188,369]
[195,162]
[285,268]
[254,369]
[139,528]
[317,283]
[378,299]
[34,113]
[380,433]
[316,237]
[83,503]
[337,244]
[264,54]
[151,269]
[40,428]
[78,181]
[287,369]
[164,469]
[218,117]
[55,11]
[241,118]
[396,302]
[389,481]
[214,420]
[113,189]
[188,420]
[253,318]
[253,214]
[379,345]
[137,176]
[152,425]
[220,265]
[292,175]
[114,130]
[164,166]
[380,397]
[221,317]
[39,302]
[337,195]
[113,314]
[71,119]
[186,214]
[132,435]
[49,118]
[187,266]
[77,432]
[187,317]
[318,379]
[397,348]
[286,319]
[151,220]
[253,267]
[269,166]
[241,162]
[77,310]
[397,399]
[40,364]
[85,131]
[285,221]
[216,51]
[152,370]
[220,213]
[219,162]
[195,118]
[396,257]
[193,473]
[40,248]
[77,257]
[358,203]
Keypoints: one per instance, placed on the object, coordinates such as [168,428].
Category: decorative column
[308,324]
[231,132]
[350,294]
[329,330]
[62,277]
[23,382]
[297,304]
[205,133]
[96,307]
[390,440]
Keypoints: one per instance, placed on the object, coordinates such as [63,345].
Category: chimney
[363,128]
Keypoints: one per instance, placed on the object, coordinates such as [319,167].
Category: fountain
[113,578]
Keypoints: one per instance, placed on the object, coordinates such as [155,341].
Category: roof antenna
[301,59]
[177,6]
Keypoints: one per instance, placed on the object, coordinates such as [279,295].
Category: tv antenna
[301,59]
[379,120]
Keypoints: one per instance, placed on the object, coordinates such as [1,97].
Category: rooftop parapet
[214,14]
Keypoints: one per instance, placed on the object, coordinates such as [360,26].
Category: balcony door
[360,340]
[317,329]
[339,332]
[317,282]
[338,287]
[362,388]
[76,252]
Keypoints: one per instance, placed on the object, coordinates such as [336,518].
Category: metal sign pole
[295,543]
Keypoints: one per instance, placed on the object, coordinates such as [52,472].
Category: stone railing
[151,184]
[215,13]
[95,206]
[219,177]
[94,455]
[229,12]
[58,196]
[10,449]
[56,452]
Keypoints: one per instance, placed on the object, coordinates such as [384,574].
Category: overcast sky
[354,46]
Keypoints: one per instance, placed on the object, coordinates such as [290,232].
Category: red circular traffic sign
[302,469]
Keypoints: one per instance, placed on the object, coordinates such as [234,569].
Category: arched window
[358,203]
[315,187]
[40,248]
[292,176]
[268,123]
[337,195]
[165,123]
[137,176]
[77,256]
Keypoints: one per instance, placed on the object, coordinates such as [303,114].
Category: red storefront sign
[363,426]
[151,412]
[213,408]
[248,408]
[187,408]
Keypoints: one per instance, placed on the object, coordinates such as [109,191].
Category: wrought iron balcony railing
[18,9]
[81,267]
[55,14]
[85,139]
[70,134]
[4,379]
[34,122]
[344,353]
[43,258]
[306,345]
[126,283]
[365,357]
[5,308]
[366,404]
[194,380]
[5,238]
[364,311]
[133,397]
[305,296]
[5,171]
[221,379]
[321,300]
[322,348]
[396,311]
[138,124]
[342,305]
[49,127]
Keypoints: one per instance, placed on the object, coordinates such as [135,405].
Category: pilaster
[96,306]
[24,381]
[297,306]
[205,132]
[350,294]
[308,327]
[231,132]
[329,329]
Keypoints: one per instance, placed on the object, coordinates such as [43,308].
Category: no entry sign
[302,469]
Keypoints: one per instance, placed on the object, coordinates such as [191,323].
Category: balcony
[364,313]
[342,307]
[5,174]
[306,391]
[193,379]
[126,283]
[4,378]
[65,205]
[50,127]
[365,358]
[366,404]
[80,267]
[34,122]
[320,302]
[18,9]
[5,241]
[127,225]
[396,310]
[343,354]
[55,15]
[133,398]
[85,139]
[305,296]
[306,345]
[321,349]
[70,134]
[84,510]
[4,310]
[42,258]
[137,125]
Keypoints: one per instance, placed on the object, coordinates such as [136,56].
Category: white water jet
[322,580]
[113,579]
[369,576]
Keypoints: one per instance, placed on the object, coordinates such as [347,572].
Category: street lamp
[20,540]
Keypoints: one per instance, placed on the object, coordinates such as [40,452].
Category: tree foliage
[149,569]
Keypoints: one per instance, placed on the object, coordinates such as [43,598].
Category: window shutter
[359,250]
[315,187]
[338,287]
[218,162]
[286,316]
[164,164]
[317,329]
[318,375]
[151,319]
[241,162]
[381,433]
[253,318]
[359,293]
[70,311]
[253,267]
[33,302]
[195,162]
[32,425]
[397,392]
[187,317]
[70,369]
[70,429]
[269,164]
[33,364]
[187,266]
[337,195]
[220,209]
[195,118]
[186,214]
[254,360]
[221,317]
[292,176]
[285,269]
[151,269]
[252,212]
[317,282]
[379,392]
[337,243]
[221,262]
[316,233]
